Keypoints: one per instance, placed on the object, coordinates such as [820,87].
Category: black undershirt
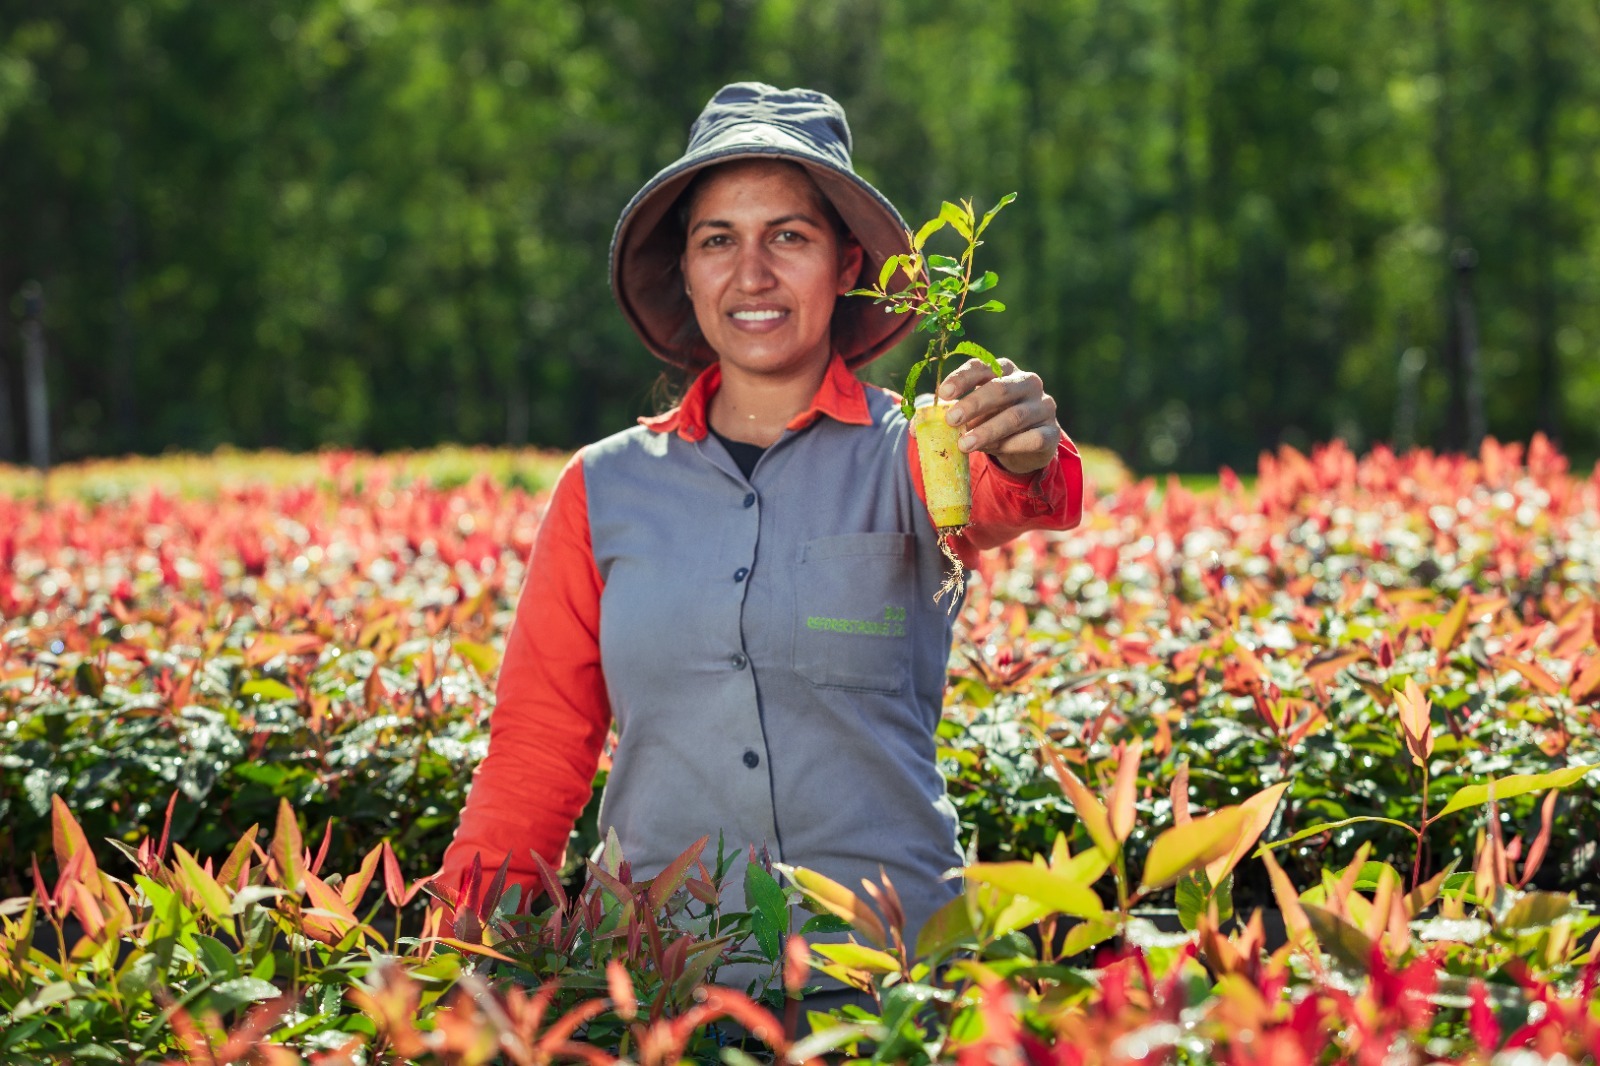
[744,455]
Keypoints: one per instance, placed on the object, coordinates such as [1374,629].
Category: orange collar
[841,397]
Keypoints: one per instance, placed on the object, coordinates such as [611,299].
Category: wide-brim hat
[749,120]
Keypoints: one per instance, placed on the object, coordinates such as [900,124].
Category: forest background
[383,223]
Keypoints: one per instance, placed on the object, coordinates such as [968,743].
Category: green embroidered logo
[892,625]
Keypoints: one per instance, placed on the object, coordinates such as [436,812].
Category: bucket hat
[751,120]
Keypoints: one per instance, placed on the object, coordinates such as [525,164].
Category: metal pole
[33,360]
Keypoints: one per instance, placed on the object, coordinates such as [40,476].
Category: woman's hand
[1010,417]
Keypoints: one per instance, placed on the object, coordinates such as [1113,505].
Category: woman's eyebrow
[718,223]
[797,217]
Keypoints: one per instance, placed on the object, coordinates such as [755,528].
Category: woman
[745,585]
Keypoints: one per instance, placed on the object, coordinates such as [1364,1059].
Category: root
[955,580]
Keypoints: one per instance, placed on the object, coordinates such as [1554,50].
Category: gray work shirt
[773,653]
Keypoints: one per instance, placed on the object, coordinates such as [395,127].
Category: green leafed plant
[939,289]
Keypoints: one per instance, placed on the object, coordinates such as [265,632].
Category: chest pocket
[853,598]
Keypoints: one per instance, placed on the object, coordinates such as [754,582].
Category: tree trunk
[122,378]
[1465,333]
[8,441]
[1464,424]
[1546,100]
[33,367]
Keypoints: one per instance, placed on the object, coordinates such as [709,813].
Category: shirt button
[740,661]
[751,759]
[749,499]
[741,573]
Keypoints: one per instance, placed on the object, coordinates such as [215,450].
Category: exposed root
[955,581]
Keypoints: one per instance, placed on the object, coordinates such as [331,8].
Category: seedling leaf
[836,899]
[1513,785]
[988,216]
[960,219]
[884,275]
[858,957]
[980,353]
[1323,827]
[949,928]
[1186,847]
[1061,893]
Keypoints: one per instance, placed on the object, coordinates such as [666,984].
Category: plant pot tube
[946,477]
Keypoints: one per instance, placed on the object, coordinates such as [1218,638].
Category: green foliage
[940,303]
[1340,695]
[241,747]
[299,222]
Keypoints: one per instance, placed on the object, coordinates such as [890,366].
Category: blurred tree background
[384,223]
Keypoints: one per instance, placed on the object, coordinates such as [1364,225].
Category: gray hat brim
[646,246]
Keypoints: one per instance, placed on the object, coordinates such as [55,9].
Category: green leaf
[992,305]
[943,264]
[268,689]
[229,995]
[988,281]
[218,959]
[824,923]
[1374,873]
[949,928]
[1536,911]
[48,996]
[213,900]
[1192,891]
[287,846]
[980,353]
[90,679]
[959,218]
[1222,895]
[858,957]
[988,216]
[1085,935]
[765,895]
[929,228]
[908,405]
[1324,827]
[887,272]
[769,910]
[836,899]
[1184,847]
[483,658]
[1513,785]
[1066,895]
[1340,939]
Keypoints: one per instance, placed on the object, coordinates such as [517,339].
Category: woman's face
[763,267]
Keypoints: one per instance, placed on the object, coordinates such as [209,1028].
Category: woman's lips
[762,320]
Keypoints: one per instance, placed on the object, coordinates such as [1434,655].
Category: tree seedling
[939,290]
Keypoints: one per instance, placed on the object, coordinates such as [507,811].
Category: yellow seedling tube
[946,478]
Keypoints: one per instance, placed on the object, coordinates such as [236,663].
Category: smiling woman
[763,266]
[743,587]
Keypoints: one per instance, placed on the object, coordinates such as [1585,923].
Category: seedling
[939,289]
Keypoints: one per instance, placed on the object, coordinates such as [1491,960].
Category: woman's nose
[754,271]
